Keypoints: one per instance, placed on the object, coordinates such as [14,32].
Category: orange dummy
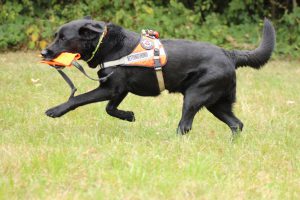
[64,59]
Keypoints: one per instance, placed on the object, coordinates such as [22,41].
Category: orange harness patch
[143,54]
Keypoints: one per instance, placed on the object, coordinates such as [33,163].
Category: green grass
[89,155]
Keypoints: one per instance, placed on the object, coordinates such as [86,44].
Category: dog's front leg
[113,104]
[96,95]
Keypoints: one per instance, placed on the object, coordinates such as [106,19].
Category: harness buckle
[156,52]
[158,68]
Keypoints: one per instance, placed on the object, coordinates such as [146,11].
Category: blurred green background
[26,24]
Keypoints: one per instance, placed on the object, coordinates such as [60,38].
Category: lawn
[87,154]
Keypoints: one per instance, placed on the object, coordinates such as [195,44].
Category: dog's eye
[62,37]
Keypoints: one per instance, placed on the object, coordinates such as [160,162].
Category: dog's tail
[260,56]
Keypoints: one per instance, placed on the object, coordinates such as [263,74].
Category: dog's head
[78,36]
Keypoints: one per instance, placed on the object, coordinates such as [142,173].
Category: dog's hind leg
[96,95]
[112,110]
[223,111]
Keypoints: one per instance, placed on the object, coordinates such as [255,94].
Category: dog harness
[149,53]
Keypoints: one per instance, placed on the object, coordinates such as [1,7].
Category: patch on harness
[147,44]
[138,56]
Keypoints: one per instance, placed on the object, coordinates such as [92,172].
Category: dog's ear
[87,17]
[90,31]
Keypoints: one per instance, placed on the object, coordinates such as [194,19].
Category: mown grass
[89,155]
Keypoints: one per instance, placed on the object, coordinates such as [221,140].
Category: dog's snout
[44,52]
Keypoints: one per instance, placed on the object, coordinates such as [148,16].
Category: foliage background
[26,24]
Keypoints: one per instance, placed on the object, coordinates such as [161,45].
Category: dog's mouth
[49,55]
[47,58]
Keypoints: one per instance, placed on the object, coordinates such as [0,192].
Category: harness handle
[81,69]
[68,80]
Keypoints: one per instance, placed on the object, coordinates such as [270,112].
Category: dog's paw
[182,130]
[130,116]
[57,111]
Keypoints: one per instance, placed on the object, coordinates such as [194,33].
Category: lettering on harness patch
[137,56]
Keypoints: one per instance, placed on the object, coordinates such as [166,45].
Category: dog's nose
[44,52]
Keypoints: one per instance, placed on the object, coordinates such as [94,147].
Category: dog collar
[98,45]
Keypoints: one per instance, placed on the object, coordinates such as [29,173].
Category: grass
[89,155]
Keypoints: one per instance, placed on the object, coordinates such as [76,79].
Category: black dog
[203,73]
